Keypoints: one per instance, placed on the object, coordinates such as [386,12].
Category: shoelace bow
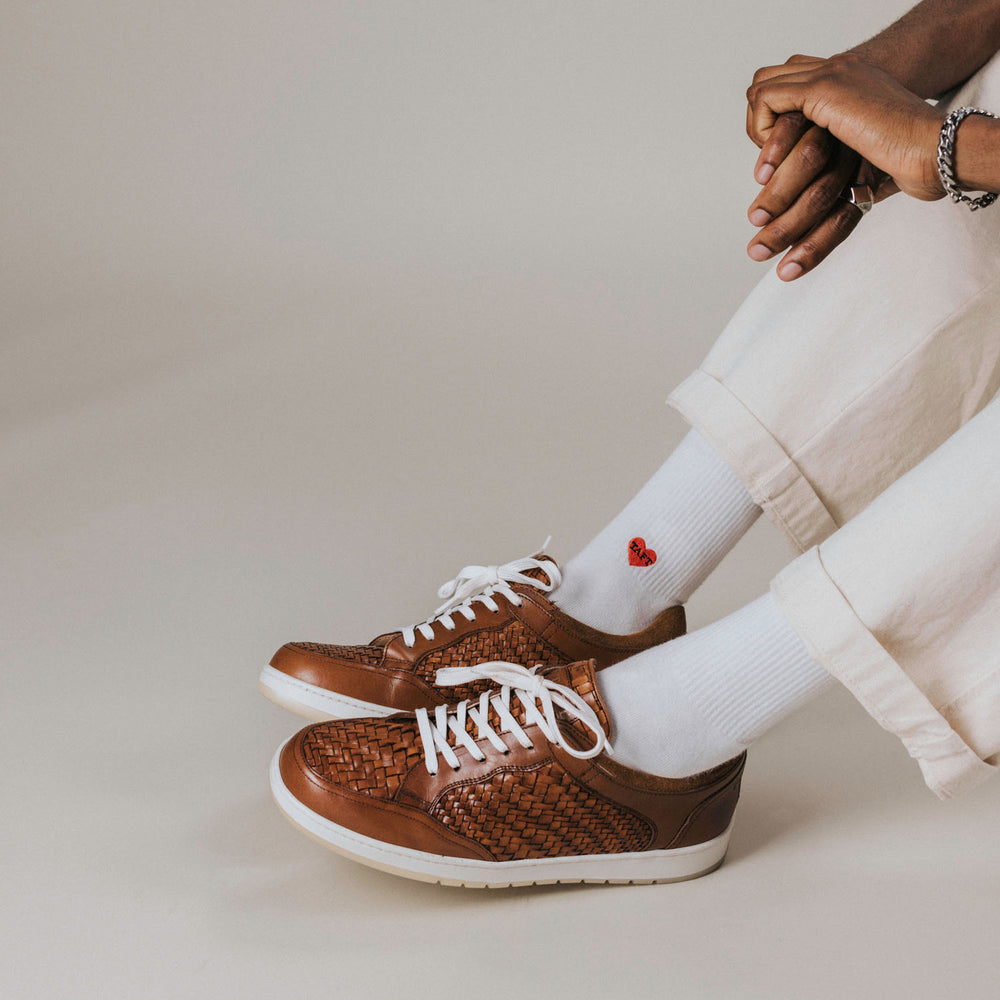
[539,695]
[480,583]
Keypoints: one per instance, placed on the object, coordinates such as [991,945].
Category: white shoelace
[480,583]
[529,687]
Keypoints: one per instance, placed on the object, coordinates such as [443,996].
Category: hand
[800,206]
[861,106]
[804,170]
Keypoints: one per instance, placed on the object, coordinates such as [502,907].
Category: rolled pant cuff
[769,473]
[838,640]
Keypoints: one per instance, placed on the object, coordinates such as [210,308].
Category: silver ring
[861,196]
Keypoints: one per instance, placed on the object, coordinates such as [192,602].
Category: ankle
[596,601]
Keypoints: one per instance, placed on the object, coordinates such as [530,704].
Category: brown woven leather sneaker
[516,788]
[489,613]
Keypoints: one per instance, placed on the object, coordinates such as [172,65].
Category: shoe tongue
[540,574]
[582,678]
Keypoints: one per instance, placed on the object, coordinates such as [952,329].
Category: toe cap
[347,773]
[362,673]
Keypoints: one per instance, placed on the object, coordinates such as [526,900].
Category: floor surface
[294,326]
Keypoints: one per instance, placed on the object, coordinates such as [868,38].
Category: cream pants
[859,406]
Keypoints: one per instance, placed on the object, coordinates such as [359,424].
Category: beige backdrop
[304,306]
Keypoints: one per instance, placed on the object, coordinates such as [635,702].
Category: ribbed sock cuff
[695,518]
[778,675]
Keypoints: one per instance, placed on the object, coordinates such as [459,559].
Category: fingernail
[758,217]
[764,173]
[760,252]
[790,270]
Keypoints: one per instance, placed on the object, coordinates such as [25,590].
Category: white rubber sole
[315,703]
[641,868]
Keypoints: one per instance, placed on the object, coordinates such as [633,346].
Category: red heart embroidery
[639,555]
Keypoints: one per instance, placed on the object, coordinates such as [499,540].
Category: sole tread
[314,703]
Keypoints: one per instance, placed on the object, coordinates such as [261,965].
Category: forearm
[936,45]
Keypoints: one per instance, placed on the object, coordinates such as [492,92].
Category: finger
[808,209]
[785,135]
[794,172]
[795,64]
[768,101]
[879,181]
[814,248]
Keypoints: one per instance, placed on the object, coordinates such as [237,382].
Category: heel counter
[713,815]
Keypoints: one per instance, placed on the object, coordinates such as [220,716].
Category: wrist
[899,61]
[977,151]
[930,137]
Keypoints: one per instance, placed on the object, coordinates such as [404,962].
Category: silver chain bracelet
[946,158]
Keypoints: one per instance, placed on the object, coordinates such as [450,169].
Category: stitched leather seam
[381,670]
[484,777]
[725,777]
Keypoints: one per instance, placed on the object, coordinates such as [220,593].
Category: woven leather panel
[539,813]
[514,642]
[372,756]
[369,656]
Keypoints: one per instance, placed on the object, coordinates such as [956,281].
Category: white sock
[703,698]
[663,545]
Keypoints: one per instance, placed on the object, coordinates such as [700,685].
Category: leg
[902,605]
[692,703]
[663,545]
